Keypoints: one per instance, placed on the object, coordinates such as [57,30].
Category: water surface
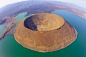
[22,16]
[2,27]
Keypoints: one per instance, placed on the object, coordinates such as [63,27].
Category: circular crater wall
[44,33]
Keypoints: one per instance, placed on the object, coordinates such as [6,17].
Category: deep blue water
[10,48]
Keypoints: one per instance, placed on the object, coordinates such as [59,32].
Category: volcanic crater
[45,32]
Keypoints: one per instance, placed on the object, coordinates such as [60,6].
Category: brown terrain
[30,7]
[6,19]
[10,28]
[38,32]
[8,12]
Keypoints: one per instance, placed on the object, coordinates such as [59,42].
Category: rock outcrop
[45,32]
[10,28]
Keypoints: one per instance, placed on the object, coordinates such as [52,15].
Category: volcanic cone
[45,32]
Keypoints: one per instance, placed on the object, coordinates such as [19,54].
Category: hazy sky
[78,2]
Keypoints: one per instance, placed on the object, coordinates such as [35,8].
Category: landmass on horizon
[9,12]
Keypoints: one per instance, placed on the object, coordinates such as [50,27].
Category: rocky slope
[10,28]
[30,36]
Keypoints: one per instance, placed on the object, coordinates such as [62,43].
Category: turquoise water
[10,48]
[78,22]
[2,27]
[22,16]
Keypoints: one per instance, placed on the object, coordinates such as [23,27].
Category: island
[45,32]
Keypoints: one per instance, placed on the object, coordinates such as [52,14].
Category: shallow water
[10,48]
[2,27]
[22,16]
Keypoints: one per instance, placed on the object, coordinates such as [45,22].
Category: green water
[2,27]
[10,48]
[22,16]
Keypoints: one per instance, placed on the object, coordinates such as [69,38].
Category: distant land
[9,12]
[32,7]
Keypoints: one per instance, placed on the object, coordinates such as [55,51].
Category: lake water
[2,27]
[22,16]
[10,48]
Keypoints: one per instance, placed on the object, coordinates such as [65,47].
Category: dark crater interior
[28,23]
